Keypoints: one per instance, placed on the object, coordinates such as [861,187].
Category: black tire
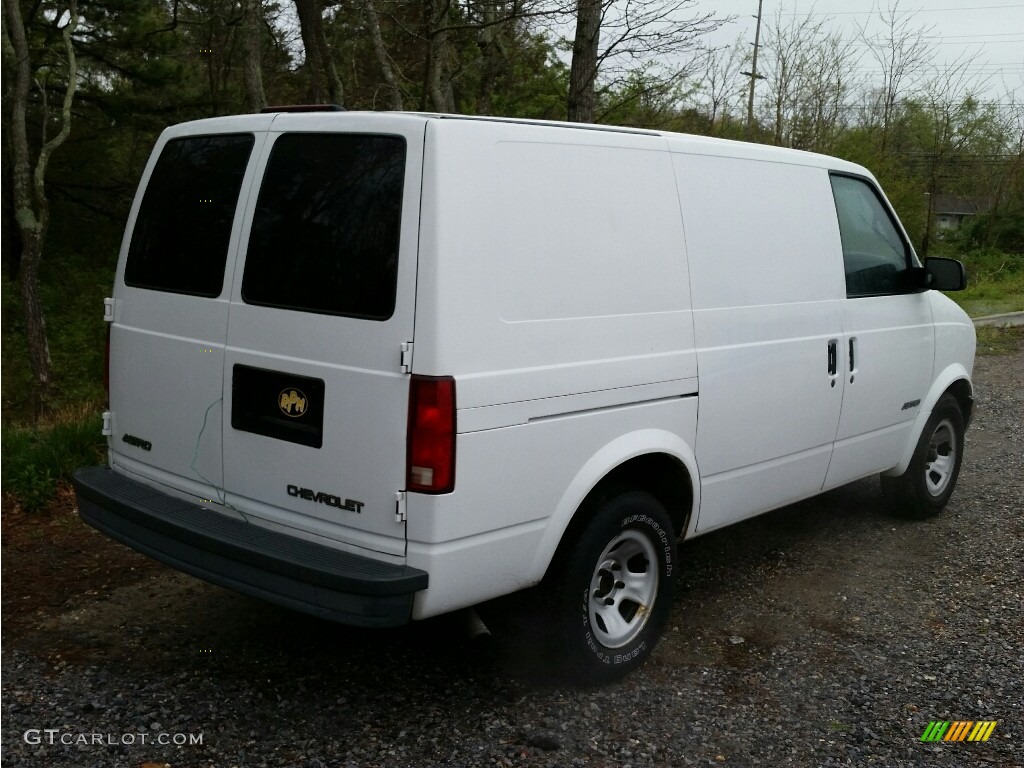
[601,628]
[924,489]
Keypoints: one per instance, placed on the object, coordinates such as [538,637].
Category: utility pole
[926,240]
[754,77]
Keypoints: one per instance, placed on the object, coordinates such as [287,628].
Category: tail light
[430,460]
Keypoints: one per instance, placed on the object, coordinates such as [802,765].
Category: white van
[379,367]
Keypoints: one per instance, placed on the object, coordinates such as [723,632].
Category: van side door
[888,334]
[766,286]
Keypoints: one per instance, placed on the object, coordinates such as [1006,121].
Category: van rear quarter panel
[516,490]
[553,285]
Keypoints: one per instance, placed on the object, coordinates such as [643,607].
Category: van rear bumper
[308,577]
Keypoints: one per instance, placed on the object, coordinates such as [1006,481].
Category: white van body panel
[955,347]
[955,341]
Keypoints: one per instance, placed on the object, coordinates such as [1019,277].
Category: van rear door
[323,302]
[171,304]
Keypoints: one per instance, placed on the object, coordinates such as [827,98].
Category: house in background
[951,211]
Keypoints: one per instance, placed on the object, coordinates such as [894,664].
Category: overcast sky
[989,33]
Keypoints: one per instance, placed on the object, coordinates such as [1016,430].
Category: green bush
[1004,230]
[35,460]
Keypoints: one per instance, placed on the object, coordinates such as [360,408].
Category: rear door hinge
[108,310]
[108,424]
[406,357]
[400,516]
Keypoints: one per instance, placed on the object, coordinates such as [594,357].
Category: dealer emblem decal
[292,402]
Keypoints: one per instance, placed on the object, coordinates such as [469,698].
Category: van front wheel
[611,593]
[924,489]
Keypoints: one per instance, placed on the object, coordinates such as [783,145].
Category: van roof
[683,143]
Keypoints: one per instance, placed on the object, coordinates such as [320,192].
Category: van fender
[952,373]
[617,452]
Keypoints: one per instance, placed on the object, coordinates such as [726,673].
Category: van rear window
[325,234]
[180,240]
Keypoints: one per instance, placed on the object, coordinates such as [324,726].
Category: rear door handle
[833,357]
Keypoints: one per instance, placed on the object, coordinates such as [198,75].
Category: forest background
[89,84]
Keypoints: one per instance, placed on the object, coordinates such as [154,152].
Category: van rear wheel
[610,593]
[924,489]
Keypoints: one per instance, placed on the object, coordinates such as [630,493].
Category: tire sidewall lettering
[662,535]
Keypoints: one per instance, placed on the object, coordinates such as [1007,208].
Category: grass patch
[999,341]
[995,283]
[37,459]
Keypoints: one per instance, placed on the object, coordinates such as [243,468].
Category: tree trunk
[32,209]
[307,11]
[252,70]
[492,56]
[35,320]
[383,61]
[583,73]
[437,91]
[325,85]
[335,90]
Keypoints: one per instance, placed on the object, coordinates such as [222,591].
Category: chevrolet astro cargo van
[379,366]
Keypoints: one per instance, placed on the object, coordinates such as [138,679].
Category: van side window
[180,240]
[875,255]
[325,234]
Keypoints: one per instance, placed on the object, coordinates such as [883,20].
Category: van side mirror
[944,274]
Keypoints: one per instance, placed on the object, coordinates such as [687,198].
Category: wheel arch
[955,380]
[655,461]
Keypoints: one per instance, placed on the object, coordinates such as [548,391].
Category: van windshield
[181,235]
[325,233]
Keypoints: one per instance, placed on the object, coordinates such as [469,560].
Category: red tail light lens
[430,462]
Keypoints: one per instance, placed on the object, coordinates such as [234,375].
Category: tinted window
[326,230]
[875,255]
[180,240]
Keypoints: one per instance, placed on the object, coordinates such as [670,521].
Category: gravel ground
[821,634]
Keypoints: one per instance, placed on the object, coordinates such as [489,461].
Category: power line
[915,10]
[993,34]
[939,41]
